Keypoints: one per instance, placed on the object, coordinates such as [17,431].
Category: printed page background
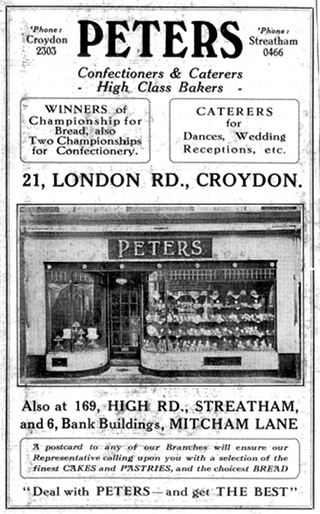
[32,76]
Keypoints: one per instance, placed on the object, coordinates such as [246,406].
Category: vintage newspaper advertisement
[161,213]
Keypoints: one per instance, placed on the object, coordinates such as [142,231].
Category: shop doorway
[125,315]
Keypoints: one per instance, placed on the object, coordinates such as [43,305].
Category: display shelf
[193,311]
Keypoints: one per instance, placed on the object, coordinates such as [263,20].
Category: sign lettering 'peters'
[160,248]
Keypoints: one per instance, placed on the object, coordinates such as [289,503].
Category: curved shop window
[76,311]
[174,316]
[223,317]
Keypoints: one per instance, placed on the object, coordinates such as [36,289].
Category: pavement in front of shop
[128,375]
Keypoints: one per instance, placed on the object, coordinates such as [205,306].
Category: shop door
[125,316]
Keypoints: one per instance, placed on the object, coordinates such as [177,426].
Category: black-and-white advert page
[161,185]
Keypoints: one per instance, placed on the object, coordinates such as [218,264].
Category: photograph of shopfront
[171,290]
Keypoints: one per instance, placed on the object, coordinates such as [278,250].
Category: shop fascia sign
[160,248]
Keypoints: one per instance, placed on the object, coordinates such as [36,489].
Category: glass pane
[156,315]
[227,308]
[87,329]
[76,311]
[125,320]
[59,307]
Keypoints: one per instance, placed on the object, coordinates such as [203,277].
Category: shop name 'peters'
[204,38]
[159,248]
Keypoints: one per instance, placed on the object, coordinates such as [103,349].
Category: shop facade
[173,290]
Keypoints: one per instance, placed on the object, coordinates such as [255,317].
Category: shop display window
[76,311]
[227,307]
